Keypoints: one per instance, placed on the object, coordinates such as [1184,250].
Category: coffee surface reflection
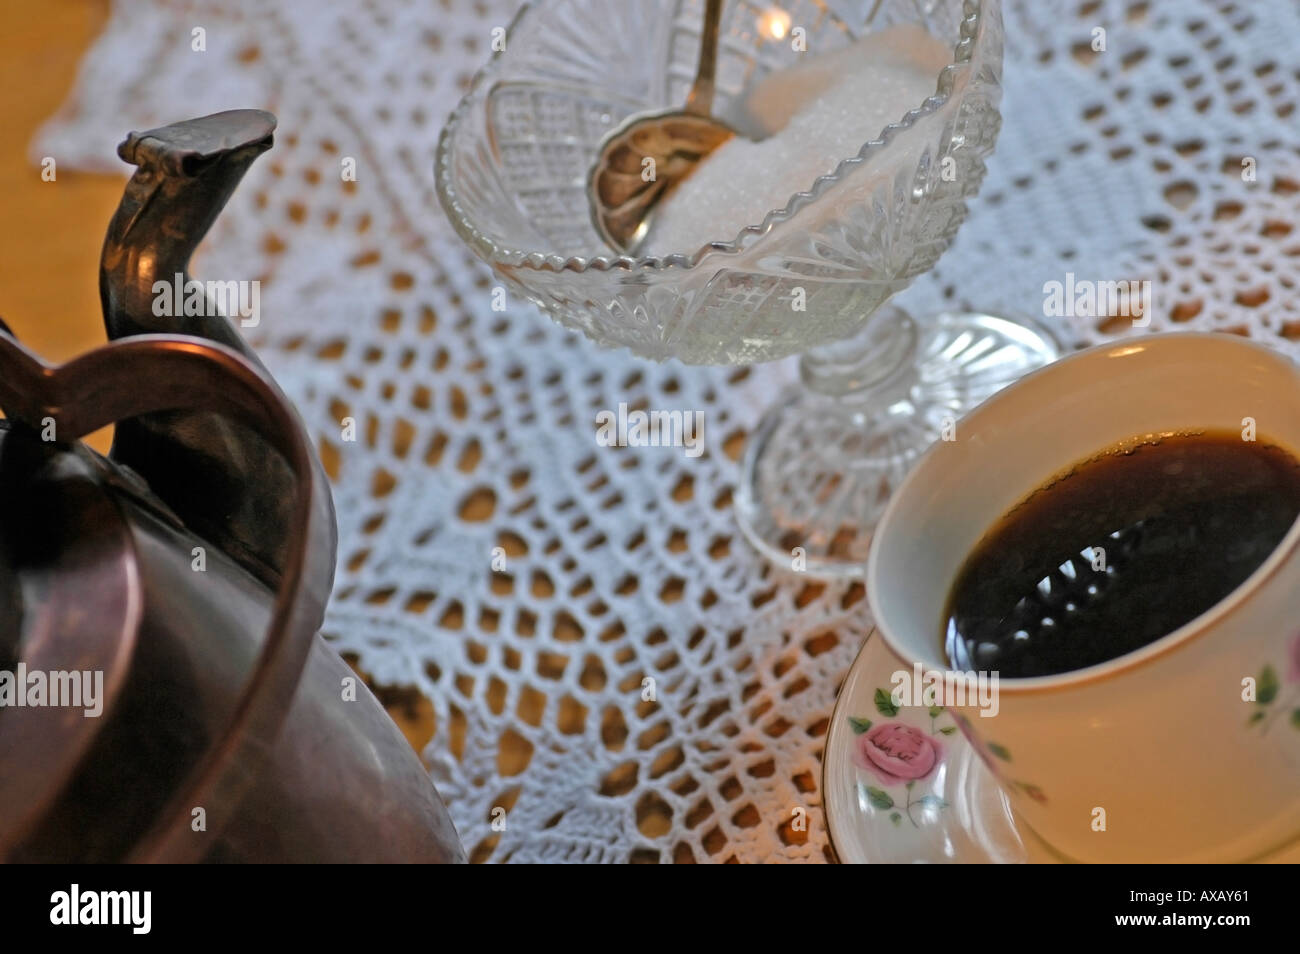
[1125,547]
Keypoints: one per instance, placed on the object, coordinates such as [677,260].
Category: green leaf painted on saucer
[1266,691]
[859,725]
[936,711]
[879,798]
[1295,718]
[1000,751]
[885,703]
[948,730]
[895,817]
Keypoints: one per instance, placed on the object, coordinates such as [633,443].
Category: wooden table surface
[50,232]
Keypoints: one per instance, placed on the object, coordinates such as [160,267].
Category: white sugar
[815,115]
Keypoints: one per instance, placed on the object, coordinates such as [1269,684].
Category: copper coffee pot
[191,568]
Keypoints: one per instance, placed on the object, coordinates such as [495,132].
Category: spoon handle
[700,100]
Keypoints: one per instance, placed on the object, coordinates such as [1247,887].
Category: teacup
[1186,750]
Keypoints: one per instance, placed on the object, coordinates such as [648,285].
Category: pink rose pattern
[897,753]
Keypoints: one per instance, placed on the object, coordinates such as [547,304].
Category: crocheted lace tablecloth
[498,562]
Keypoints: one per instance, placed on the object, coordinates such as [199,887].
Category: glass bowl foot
[823,463]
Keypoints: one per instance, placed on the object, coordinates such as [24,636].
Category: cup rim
[1158,648]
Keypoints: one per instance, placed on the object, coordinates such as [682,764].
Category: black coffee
[1119,551]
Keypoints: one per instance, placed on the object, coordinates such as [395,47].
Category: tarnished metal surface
[219,693]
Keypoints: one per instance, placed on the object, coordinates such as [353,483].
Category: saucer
[941,805]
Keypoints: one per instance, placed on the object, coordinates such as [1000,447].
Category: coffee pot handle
[148,374]
[199,375]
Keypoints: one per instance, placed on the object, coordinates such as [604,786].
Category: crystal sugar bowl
[808,277]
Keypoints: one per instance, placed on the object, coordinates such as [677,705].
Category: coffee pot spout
[218,476]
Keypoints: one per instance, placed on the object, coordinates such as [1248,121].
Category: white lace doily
[476,428]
